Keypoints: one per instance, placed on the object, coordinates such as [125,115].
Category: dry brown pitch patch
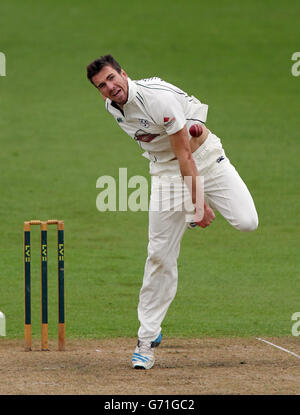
[183,366]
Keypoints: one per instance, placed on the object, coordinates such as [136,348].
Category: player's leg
[227,193]
[224,189]
[159,282]
[160,276]
[166,228]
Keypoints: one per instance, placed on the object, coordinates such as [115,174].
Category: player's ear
[124,74]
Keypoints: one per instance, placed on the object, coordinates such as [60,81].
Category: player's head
[107,60]
[106,74]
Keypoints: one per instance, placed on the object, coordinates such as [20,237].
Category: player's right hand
[208,217]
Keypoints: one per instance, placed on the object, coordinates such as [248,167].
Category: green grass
[57,139]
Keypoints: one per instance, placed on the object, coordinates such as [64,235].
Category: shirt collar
[132,88]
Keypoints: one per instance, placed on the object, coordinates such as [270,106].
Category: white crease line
[278,347]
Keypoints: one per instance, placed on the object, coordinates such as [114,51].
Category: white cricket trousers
[224,190]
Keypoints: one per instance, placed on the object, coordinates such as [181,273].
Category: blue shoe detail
[136,357]
[157,341]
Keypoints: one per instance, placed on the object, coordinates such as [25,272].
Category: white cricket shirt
[154,110]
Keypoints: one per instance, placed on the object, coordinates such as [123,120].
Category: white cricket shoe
[143,356]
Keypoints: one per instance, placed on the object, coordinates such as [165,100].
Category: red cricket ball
[195,130]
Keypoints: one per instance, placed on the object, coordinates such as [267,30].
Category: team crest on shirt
[169,121]
[144,123]
[141,135]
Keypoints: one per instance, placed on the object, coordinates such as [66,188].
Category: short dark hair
[94,67]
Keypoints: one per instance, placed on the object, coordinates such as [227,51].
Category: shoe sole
[140,367]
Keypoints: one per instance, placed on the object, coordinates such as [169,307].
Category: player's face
[112,84]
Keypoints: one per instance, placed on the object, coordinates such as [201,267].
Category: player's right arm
[180,144]
[181,147]
[167,111]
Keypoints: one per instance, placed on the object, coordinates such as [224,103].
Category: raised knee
[248,224]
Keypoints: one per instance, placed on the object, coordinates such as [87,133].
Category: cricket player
[158,115]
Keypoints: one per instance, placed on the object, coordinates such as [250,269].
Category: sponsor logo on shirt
[141,135]
[169,121]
